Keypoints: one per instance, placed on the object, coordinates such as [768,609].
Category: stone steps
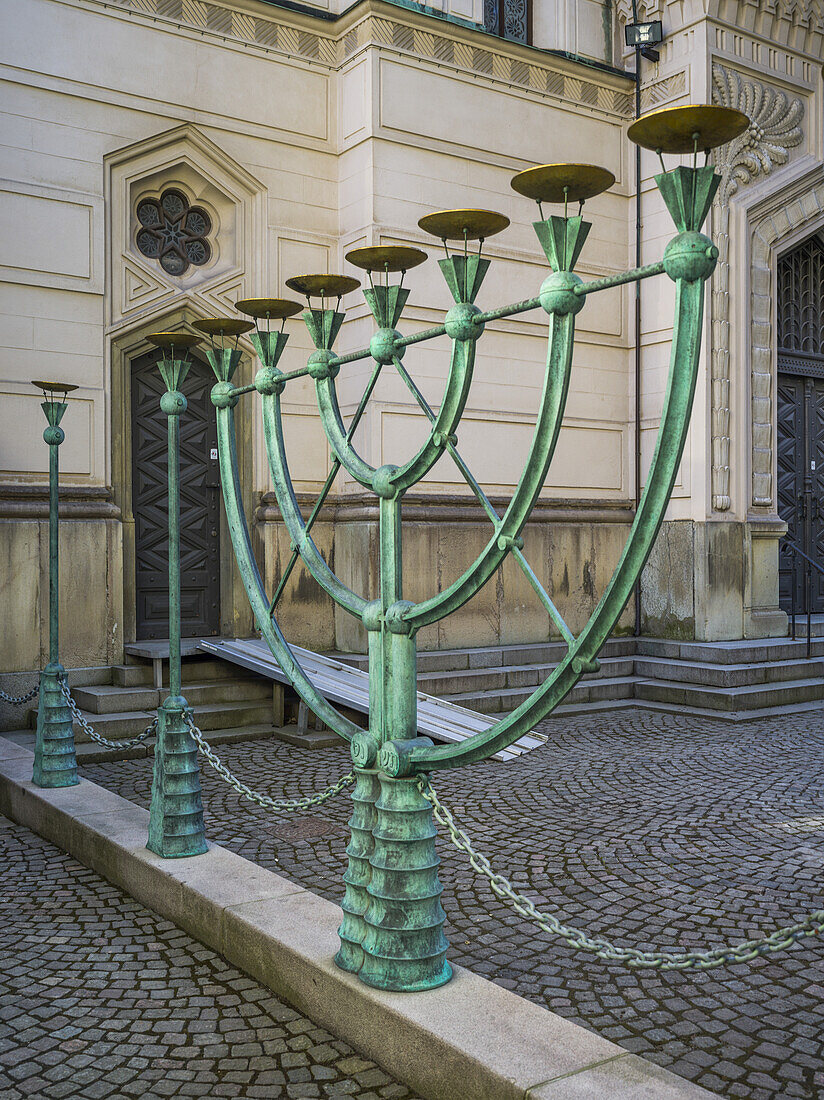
[745,698]
[469,681]
[727,675]
[120,701]
[110,699]
[587,691]
[121,725]
[730,680]
[195,669]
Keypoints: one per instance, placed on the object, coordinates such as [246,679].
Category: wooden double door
[800,416]
[199,504]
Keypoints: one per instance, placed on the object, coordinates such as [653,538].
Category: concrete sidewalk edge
[468,1040]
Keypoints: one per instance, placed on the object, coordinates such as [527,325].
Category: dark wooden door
[199,504]
[800,416]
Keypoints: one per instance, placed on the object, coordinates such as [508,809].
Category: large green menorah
[392,929]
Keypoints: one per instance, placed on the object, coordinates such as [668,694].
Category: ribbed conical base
[176,811]
[404,947]
[361,845]
[55,764]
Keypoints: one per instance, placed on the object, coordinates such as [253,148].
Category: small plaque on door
[213,454]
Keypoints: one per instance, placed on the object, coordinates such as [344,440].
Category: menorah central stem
[403,944]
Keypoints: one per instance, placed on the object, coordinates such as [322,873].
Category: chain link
[19,700]
[89,729]
[782,938]
[264,800]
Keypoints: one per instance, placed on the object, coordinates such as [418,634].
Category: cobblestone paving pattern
[101,998]
[655,830]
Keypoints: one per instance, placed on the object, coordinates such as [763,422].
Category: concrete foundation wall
[91,593]
[573,557]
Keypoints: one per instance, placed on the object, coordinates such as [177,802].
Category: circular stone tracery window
[173,232]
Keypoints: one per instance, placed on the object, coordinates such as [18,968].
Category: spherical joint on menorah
[461,322]
[320,365]
[223,395]
[173,403]
[268,382]
[394,618]
[690,256]
[383,347]
[372,615]
[382,483]
[53,435]
[557,294]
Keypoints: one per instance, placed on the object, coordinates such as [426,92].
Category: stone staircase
[732,681]
[724,680]
[121,700]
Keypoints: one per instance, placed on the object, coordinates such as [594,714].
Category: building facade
[164,158]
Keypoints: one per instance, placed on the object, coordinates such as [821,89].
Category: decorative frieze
[775,130]
[334,50]
[663,91]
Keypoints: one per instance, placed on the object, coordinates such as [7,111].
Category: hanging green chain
[811,925]
[19,700]
[94,735]
[263,800]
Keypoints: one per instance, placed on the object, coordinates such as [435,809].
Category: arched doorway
[199,503]
[800,412]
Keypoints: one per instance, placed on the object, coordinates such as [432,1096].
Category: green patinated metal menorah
[392,929]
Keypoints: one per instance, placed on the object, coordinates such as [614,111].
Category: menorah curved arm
[544,440]
[290,511]
[672,434]
[395,480]
[252,582]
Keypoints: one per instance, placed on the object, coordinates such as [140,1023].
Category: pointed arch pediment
[184,161]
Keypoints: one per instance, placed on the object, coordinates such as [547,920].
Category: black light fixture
[643,36]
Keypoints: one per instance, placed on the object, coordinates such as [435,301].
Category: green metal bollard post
[55,764]
[176,811]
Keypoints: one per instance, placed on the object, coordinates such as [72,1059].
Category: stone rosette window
[173,232]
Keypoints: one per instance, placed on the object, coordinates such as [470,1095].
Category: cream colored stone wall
[306,137]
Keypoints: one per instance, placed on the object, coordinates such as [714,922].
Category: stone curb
[470,1039]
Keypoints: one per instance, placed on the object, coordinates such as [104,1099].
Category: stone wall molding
[31,501]
[775,129]
[448,508]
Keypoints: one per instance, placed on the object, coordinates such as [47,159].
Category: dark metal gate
[199,504]
[800,413]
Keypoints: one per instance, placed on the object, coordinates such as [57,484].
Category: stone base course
[469,1039]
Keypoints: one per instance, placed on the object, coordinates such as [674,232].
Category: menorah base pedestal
[55,764]
[404,948]
[176,811]
[358,874]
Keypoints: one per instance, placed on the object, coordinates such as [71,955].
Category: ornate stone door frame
[775,225]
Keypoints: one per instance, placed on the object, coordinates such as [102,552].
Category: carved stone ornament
[775,129]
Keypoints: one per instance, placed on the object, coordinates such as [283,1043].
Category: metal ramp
[341,683]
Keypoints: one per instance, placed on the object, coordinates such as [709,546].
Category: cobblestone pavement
[101,998]
[656,830]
